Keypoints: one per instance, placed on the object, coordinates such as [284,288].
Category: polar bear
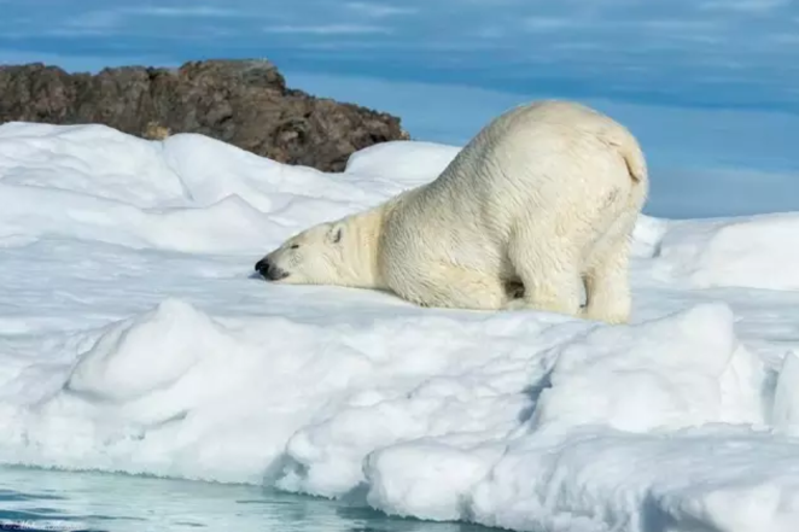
[535,211]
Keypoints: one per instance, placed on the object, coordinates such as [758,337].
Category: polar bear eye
[294,246]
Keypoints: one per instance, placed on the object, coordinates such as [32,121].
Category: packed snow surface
[134,338]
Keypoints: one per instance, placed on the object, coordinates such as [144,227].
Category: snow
[746,253]
[134,338]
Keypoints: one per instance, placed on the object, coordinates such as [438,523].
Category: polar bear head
[315,256]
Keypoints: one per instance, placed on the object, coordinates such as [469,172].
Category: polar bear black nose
[269,271]
[262,266]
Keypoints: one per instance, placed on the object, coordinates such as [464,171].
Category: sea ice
[134,338]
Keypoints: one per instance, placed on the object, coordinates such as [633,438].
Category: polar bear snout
[269,271]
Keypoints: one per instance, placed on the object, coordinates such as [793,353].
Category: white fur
[545,197]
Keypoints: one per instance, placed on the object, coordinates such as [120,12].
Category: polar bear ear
[335,233]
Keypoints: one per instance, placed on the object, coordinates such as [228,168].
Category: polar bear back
[539,156]
[548,162]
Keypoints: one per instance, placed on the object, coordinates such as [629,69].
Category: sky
[711,87]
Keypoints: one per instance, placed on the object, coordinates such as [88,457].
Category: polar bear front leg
[549,270]
[446,286]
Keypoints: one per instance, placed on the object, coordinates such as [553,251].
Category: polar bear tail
[636,164]
[629,150]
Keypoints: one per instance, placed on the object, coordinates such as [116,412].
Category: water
[45,500]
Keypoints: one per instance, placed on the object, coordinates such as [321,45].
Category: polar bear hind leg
[607,284]
[548,269]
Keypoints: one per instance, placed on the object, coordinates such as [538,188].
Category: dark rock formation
[245,103]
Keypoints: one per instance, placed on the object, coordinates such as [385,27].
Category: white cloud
[196,11]
[328,29]
[580,46]
[99,20]
[747,6]
[108,21]
[96,23]
[683,26]
[374,10]
[549,23]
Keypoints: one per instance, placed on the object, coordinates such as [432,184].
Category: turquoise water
[39,500]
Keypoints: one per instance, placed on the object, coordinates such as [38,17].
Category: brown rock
[245,103]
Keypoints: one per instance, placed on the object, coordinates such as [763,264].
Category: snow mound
[648,236]
[650,401]
[749,252]
[116,369]
[188,193]
[593,480]
[89,159]
[133,339]
[398,161]
[688,370]
[228,226]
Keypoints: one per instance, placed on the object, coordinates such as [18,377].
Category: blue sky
[711,86]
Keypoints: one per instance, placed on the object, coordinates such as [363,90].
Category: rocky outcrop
[245,103]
